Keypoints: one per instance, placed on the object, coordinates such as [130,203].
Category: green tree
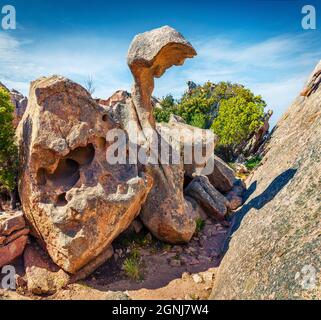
[8,148]
[195,105]
[230,109]
[237,119]
[167,108]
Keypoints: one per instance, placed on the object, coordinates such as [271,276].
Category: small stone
[149,237]
[193,262]
[204,258]
[119,252]
[177,249]
[185,276]
[137,226]
[191,250]
[175,263]
[214,253]
[197,278]
[20,282]
[272,296]
[208,276]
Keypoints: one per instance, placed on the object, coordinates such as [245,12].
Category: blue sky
[260,44]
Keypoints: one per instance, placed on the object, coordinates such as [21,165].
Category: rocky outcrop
[13,236]
[259,137]
[166,213]
[119,96]
[274,252]
[20,103]
[75,201]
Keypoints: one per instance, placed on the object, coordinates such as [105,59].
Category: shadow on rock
[260,201]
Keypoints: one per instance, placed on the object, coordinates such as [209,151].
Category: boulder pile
[76,202]
[13,236]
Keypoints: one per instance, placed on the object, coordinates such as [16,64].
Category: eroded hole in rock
[41,177]
[67,173]
[83,155]
[105,117]
[61,200]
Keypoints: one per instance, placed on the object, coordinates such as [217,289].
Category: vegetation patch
[132,266]
[200,225]
[253,163]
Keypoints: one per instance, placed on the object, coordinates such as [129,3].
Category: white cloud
[275,68]
[103,59]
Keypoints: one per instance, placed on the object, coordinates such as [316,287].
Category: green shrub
[8,148]
[237,119]
[253,163]
[200,225]
[132,266]
[163,114]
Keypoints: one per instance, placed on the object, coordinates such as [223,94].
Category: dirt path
[165,272]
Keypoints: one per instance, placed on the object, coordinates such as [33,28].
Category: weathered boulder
[76,202]
[12,250]
[41,274]
[150,55]
[274,252]
[235,196]
[211,200]
[10,222]
[119,96]
[166,213]
[13,236]
[196,145]
[198,211]
[222,176]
